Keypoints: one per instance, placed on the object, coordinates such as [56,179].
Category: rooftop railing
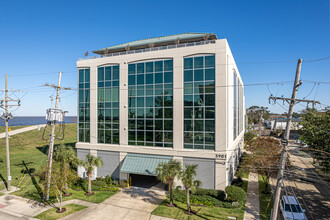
[149,49]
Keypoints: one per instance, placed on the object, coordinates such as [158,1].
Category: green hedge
[82,184]
[202,197]
[217,194]
[235,194]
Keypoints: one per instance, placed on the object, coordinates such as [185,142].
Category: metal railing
[149,49]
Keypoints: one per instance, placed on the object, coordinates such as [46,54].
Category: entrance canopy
[142,163]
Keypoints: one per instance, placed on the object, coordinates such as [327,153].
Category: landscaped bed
[264,200]
[51,214]
[209,204]
[202,212]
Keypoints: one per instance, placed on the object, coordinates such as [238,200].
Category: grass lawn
[51,214]
[264,200]
[202,212]
[3,128]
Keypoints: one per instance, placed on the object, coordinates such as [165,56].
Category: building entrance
[144,180]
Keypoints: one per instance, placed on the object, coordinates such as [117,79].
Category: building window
[83,108]
[150,103]
[199,102]
[108,104]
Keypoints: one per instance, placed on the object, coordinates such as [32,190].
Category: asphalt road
[312,192]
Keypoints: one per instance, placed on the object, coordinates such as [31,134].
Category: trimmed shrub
[123,184]
[237,182]
[235,194]
[248,136]
[217,194]
[108,180]
[204,199]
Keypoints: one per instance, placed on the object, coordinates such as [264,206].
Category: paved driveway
[133,203]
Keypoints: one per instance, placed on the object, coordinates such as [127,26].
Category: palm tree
[188,179]
[66,157]
[91,162]
[167,172]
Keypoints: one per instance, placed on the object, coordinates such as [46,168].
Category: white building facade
[175,97]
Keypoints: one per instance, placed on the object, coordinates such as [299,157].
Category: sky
[40,38]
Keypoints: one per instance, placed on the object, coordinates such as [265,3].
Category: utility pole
[52,135]
[6,116]
[285,141]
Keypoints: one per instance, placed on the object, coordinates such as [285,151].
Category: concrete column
[178,103]
[93,104]
[122,176]
[94,174]
[177,181]
[123,104]
[220,96]
[220,175]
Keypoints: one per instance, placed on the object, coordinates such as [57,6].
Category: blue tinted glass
[81,85]
[149,102]
[107,84]
[199,88]
[81,75]
[140,68]
[140,79]
[168,101]
[108,73]
[131,91]
[210,61]
[198,62]
[149,67]
[168,89]
[209,100]
[131,68]
[140,90]
[168,77]
[131,80]
[188,63]
[210,74]
[198,75]
[159,66]
[188,88]
[100,84]
[131,102]
[209,87]
[188,100]
[168,112]
[158,101]
[168,65]
[115,73]
[158,89]
[140,102]
[149,78]
[159,78]
[149,90]
[188,75]
[100,75]
[115,83]
[87,75]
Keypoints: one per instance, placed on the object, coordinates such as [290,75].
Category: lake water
[34,120]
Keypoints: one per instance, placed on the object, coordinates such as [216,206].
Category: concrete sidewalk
[252,206]
[129,204]
[21,130]
[14,207]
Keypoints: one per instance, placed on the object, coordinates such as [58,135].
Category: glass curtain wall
[83,108]
[150,103]
[199,102]
[108,104]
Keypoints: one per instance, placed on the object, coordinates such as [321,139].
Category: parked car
[291,209]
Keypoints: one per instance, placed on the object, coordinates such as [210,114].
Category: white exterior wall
[224,144]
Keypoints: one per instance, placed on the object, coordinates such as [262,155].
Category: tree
[66,157]
[57,182]
[167,172]
[255,113]
[264,156]
[315,132]
[89,164]
[188,179]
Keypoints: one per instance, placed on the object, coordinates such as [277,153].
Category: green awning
[142,164]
